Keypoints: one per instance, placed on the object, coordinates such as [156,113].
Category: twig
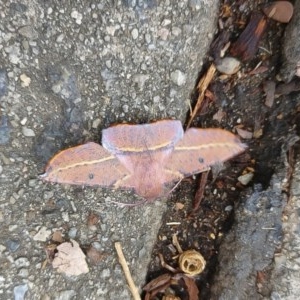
[133,289]
[176,243]
[202,87]
[200,191]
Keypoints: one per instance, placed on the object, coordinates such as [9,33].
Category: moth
[146,158]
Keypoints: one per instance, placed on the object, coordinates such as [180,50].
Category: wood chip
[202,87]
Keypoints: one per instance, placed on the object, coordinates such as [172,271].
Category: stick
[133,289]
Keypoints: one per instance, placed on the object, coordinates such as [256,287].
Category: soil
[241,97]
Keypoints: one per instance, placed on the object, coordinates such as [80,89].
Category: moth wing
[139,138]
[89,164]
[201,148]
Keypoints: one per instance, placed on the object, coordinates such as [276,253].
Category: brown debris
[191,263]
[157,282]
[244,134]
[246,45]
[287,88]
[191,287]
[200,191]
[259,70]
[163,282]
[202,87]
[57,236]
[269,88]
[93,219]
[281,11]
[219,115]
[94,255]
[219,44]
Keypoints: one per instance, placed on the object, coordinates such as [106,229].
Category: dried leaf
[281,11]
[70,259]
[219,115]
[157,282]
[191,286]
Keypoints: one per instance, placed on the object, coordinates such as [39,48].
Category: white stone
[134,33]
[178,77]
[28,132]
[42,234]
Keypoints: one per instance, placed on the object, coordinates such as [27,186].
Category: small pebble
[13,245]
[23,273]
[166,22]
[65,216]
[228,65]
[105,273]
[4,129]
[42,235]
[178,77]
[28,32]
[72,233]
[134,33]
[228,208]
[245,179]
[96,123]
[32,182]
[3,82]
[23,121]
[22,262]
[65,295]
[60,38]
[48,195]
[27,132]
[20,291]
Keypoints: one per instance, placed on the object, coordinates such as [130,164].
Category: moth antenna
[173,188]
